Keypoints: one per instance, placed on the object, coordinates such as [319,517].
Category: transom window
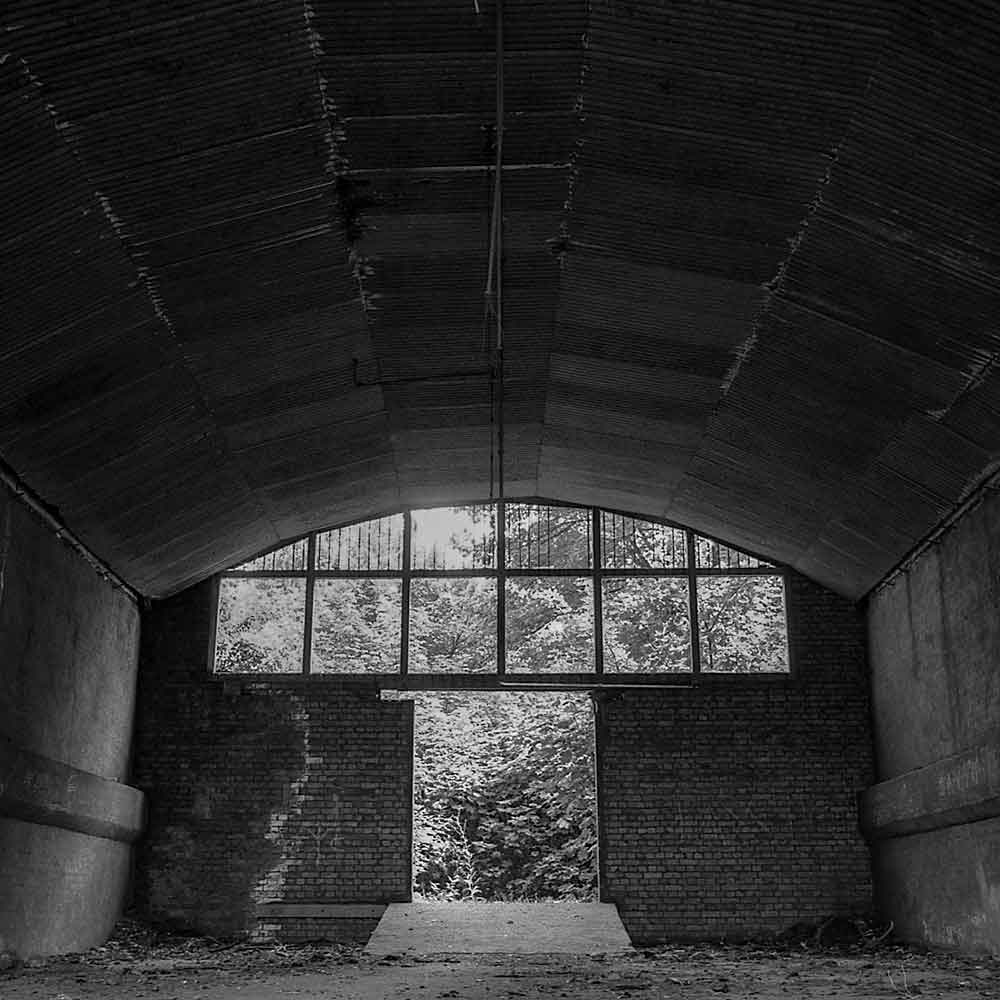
[503,588]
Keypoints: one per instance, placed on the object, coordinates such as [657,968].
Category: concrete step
[513,928]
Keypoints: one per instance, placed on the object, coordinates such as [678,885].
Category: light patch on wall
[272,885]
[303,844]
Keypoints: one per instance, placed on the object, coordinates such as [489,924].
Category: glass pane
[541,537]
[291,557]
[630,543]
[453,626]
[260,626]
[741,624]
[356,626]
[371,545]
[550,624]
[647,627]
[715,555]
[454,537]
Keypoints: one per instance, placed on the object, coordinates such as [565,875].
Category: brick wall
[726,810]
[271,790]
[729,810]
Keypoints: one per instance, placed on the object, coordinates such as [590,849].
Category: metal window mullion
[550,571]
[404,611]
[472,574]
[501,563]
[598,576]
[693,605]
[274,574]
[310,594]
[748,571]
[357,574]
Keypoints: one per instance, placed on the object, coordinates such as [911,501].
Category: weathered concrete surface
[510,928]
[934,643]
[68,650]
[964,788]
[61,891]
[40,790]
[943,888]
[68,654]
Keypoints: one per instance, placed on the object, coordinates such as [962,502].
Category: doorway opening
[504,797]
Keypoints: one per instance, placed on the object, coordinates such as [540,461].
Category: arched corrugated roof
[750,267]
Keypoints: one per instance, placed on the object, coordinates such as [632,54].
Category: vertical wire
[597,578]
[498,248]
[404,609]
[694,631]
[310,598]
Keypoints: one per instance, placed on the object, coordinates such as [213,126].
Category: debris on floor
[143,963]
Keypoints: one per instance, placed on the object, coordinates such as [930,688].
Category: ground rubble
[144,962]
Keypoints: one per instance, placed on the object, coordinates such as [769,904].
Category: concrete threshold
[509,928]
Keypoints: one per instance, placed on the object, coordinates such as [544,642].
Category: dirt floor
[139,963]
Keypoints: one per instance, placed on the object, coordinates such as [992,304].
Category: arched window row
[503,588]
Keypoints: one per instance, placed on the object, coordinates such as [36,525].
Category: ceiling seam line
[774,288]
[337,167]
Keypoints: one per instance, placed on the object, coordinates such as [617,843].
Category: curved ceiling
[750,267]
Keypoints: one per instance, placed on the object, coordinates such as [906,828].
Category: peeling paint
[36,83]
[146,276]
[775,287]
[562,242]
[334,134]
[6,543]
[336,165]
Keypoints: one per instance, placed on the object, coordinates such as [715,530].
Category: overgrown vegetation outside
[357,619]
[504,802]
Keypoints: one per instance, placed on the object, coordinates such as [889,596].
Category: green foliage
[742,624]
[550,624]
[646,625]
[504,797]
[453,625]
[260,625]
[356,625]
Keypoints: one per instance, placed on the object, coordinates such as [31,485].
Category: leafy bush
[504,803]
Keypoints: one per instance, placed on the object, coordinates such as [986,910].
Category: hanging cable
[494,276]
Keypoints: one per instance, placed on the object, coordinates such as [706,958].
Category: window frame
[596,572]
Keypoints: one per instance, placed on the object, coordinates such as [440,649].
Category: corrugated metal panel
[584,413]
[290,222]
[419,83]
[459,142]
[886,316]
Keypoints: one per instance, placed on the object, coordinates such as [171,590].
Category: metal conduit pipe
[34,503]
